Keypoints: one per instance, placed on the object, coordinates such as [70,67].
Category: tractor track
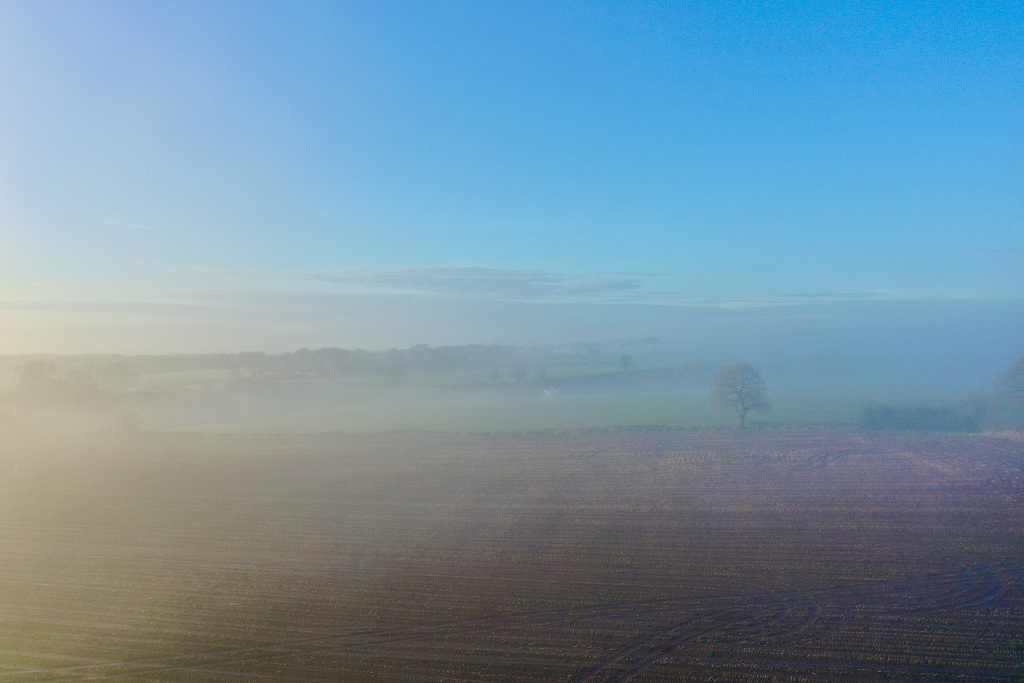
[758,615]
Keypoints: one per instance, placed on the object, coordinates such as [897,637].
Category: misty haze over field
[421,340]
[235,178]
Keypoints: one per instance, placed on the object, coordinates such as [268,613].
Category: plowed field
[783,555]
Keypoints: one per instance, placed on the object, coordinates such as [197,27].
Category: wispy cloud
[541,286]
[470,281]
[834,295]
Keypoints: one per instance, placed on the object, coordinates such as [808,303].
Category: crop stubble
[640,556]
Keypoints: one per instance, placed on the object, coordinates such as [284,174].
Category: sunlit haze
[193,177]
[543,340]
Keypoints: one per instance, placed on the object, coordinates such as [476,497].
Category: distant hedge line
[920,418]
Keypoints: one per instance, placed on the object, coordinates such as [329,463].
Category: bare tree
[625,360]
[739,388]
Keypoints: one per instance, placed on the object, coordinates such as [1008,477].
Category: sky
[227,176]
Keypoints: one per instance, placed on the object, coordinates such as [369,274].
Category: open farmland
[787,555]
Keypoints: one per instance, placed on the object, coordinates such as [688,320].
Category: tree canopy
[739,388]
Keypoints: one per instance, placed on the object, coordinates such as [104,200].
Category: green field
[292,394]
[522,413]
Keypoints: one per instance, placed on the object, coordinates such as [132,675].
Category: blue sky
[170,172]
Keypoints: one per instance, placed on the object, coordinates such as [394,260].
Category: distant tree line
[919,418]
[85,375]
[43,379]
[1004,409]
[329,362]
